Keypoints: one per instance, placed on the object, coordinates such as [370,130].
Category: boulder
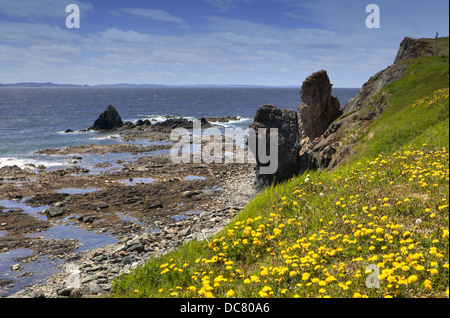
[108,120]
[56,211]
[318,108]
[269,116]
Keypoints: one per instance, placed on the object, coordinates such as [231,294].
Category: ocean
[36,118]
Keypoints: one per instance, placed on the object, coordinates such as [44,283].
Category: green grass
[401,124]
[442,45]
[316,235]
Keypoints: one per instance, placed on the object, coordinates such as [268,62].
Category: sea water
[37,118]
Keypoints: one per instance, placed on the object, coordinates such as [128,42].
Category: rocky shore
[141,208]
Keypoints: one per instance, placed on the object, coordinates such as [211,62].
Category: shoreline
[149,205]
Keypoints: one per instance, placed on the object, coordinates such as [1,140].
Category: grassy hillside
[407,120]
[384,214]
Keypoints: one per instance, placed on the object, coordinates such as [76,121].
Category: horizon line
[50,84]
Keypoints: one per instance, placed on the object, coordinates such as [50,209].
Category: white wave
[63,132]
[233,123]
[153,118]
[106,137]
[25,163]
[160,118]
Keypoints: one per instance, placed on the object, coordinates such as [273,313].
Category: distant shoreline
[124,85]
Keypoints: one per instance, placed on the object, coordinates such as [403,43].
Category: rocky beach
[91,225]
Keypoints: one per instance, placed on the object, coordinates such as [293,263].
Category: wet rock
[11,170]
[108,120]
[128,125]
[100,206]
[223,119]
[55,211]
[173,123]
[87,219]
[46,199]
[141,122]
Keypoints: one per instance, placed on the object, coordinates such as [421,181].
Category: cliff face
[412,49]
[409,49]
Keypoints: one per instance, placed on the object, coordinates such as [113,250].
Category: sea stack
[318,108]
[108,120]
[270,116]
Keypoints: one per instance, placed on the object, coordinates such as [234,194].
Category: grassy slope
[315,235]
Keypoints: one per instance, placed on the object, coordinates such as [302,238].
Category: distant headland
[125,85]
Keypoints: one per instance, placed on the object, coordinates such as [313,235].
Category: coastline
[140,208]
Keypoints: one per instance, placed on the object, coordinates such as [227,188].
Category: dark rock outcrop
[318,108]
[108,120]
[141,122]
[411,49]
[173,123]
[269,116]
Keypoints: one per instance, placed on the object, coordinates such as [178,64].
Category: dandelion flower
[411,279]
[434,271]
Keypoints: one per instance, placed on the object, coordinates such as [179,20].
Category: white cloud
[154,14]
[34,33]
[226,49]
[227,5]
[240,27]
[115,36]
[42,9]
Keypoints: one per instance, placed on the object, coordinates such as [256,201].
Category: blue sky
[220,42]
